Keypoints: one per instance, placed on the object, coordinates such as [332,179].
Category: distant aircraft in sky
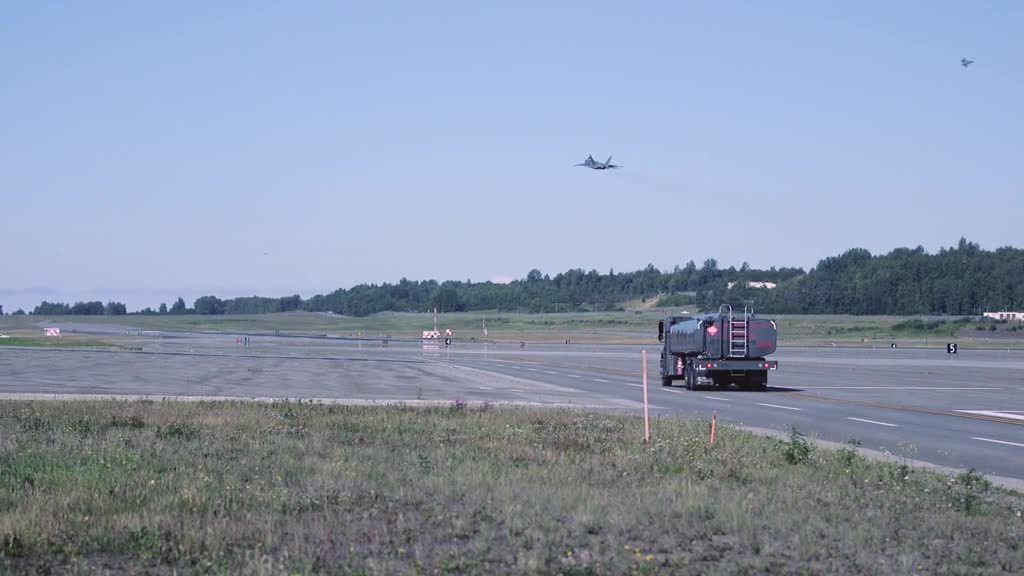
[595,165]
[965,62]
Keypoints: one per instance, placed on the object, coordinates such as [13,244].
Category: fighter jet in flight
[965,62]
[595,165]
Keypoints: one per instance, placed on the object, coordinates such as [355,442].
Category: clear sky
[150,150]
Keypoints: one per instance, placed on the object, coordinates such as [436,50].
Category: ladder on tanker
[738,334]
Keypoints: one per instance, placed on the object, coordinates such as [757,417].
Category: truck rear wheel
[691,378]
[666,380]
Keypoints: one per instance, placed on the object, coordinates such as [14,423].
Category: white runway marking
[899,388]
[550,372]
[500,365]
[599,380]
[717,398]
[997,441]
[574,376]
[486,388]
[637,385]
[1012,414]
[872,422]
[777,406]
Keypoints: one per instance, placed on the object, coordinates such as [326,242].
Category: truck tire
[666,380]
[691,378]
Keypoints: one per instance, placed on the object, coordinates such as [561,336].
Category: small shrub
[35,423]
[848,455]
[705,471]
[12,547]
[131,422]
[82,426]
[992,328]
[424,462]
[178,431]
[288,413]
[797,450]
[968,491]
[919,325]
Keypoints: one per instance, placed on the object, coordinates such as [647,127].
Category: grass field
[63,342]
[398,324]
[637,326]
[302,488]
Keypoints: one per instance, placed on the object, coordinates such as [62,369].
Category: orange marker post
[713,422]
[647,418]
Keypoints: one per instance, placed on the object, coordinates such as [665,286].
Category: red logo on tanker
[712,330]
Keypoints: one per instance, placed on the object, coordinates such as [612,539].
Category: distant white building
[1016,316]
[756,284]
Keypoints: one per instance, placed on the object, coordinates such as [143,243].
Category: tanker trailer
[718,349]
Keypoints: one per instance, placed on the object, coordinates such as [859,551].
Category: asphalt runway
[957,411]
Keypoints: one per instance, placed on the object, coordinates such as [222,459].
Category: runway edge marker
[647,418]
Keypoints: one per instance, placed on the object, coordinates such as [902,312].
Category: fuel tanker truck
[718,349]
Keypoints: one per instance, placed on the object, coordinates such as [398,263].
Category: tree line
[961,280]
[572,291]
[95,308]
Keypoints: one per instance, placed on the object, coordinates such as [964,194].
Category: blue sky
[236,148]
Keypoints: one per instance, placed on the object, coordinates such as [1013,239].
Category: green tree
[51,309]
[179,306]
[208,305]
[163,308]
[18,312]
[93,308]
[115,309]
[446,298]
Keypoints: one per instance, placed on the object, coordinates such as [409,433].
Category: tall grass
[302,488]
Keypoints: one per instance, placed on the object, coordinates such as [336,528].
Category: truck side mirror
[661,330]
